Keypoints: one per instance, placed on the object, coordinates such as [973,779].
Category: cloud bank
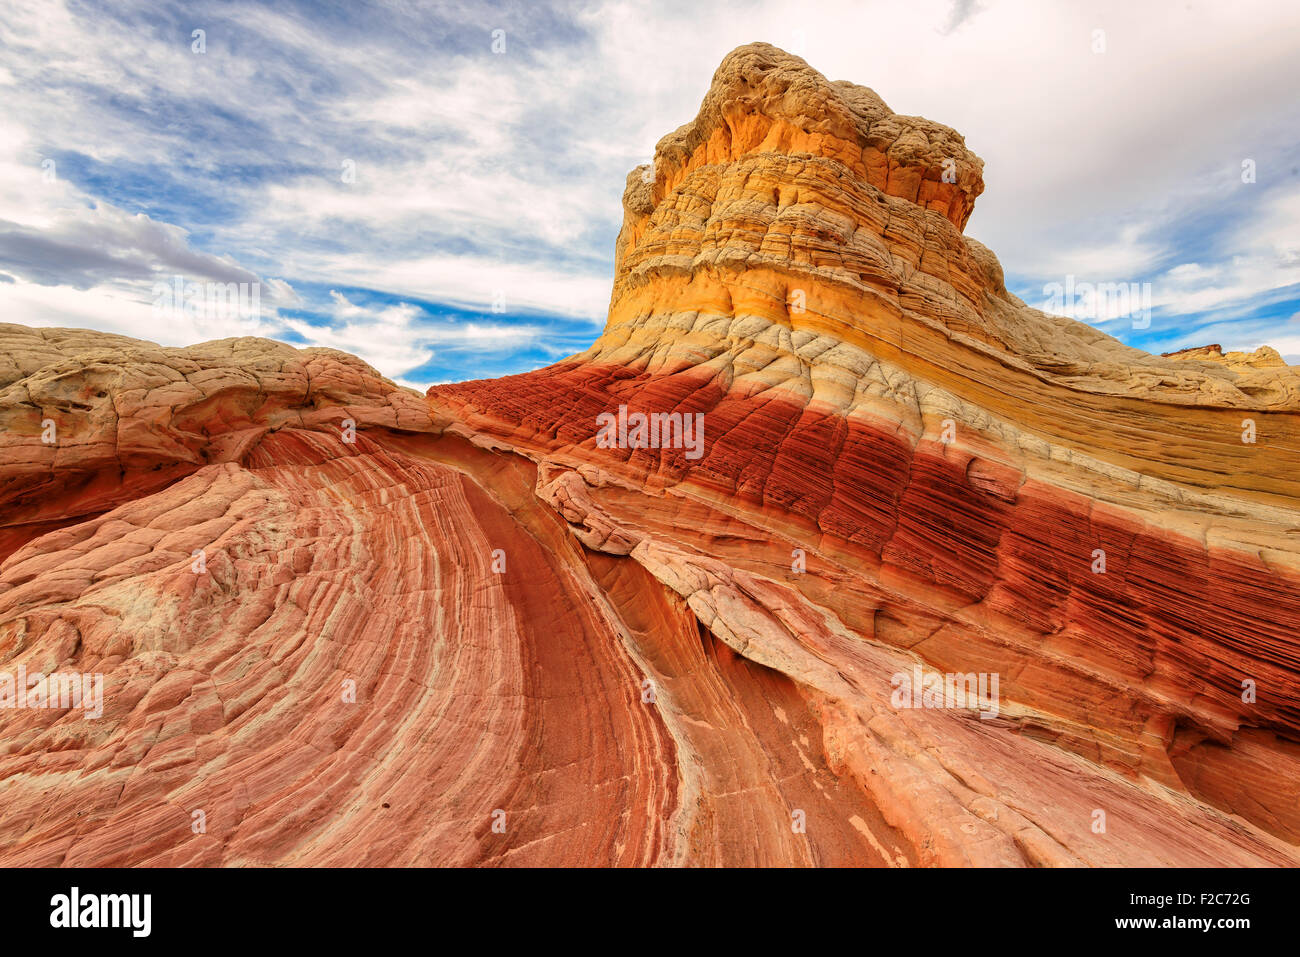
[437,188]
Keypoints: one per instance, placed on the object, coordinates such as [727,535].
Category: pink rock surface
[340,623]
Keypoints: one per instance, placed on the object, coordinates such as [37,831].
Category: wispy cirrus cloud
[438,188]
[400,337]
[83,248]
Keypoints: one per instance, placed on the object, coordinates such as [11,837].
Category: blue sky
[403,191]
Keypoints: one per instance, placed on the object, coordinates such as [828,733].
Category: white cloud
[1267,259]
[397,338]
[480,173]
[127,309]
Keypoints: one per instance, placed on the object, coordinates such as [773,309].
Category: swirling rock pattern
[341,623]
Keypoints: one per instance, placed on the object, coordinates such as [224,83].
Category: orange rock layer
[340,623]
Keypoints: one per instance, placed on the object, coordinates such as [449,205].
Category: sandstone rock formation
[340,623]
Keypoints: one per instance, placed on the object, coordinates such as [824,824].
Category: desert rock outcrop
[353,625]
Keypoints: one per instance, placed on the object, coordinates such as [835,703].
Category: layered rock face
[513,623]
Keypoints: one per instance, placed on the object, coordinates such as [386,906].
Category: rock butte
[652,679]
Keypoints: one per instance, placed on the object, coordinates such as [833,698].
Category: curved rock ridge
[871,393]
[129,417]
[340,623]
